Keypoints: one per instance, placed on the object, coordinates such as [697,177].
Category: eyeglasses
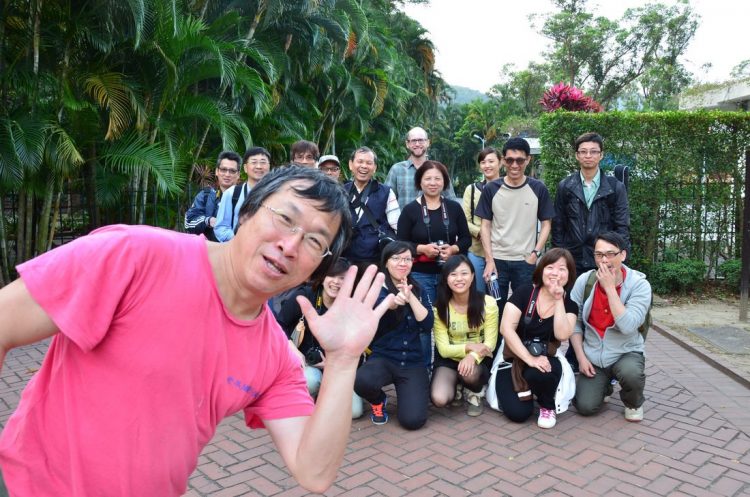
[518,160]
[401,260]
[588,152]
[224,170]
[258,163]
[315,244]
[601,255]
[333,169]
[309,157]
[415,141]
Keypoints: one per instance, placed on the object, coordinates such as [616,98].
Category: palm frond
[113,95]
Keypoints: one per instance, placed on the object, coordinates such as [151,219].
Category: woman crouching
[535,320]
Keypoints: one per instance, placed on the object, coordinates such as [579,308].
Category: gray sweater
[622,336]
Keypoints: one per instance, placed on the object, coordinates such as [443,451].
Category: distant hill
[465,95]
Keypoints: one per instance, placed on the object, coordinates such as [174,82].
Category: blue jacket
[205,205]
[363,245]
[397,337]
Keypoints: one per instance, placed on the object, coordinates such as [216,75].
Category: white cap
[329,158]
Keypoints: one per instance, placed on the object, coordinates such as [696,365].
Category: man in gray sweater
[606,339]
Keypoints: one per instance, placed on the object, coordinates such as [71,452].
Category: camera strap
[531,306]
[426,218]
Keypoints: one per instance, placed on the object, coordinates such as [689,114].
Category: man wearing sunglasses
[511,208]
[401,175]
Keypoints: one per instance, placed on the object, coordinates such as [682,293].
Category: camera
[438,260]
[536,347]
[313,356]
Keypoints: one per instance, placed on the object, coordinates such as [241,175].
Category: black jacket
[575,226]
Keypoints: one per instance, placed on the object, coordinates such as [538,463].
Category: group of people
[466,299]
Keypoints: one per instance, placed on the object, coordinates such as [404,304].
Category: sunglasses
[518,160]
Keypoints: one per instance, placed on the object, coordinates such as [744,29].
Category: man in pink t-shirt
[157,336]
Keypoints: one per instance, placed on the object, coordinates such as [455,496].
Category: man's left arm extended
[313,447]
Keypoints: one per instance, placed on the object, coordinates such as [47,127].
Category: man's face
[267,256]
[227,173]
[256,167]
[608,255]
[330,168]
[362,167]
[515,162]
[417,143]
[304,159]
[589,154]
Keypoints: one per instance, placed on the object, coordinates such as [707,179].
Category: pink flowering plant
[567,97]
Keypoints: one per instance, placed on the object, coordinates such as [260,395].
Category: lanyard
[426,218]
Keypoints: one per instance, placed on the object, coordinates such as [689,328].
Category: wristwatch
[537,252]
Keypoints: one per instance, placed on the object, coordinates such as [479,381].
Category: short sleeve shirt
[514,212]
[537,327]
[147,362]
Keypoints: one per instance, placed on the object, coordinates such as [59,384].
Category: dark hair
[394,248]
[329,195]
[365,150]
[485,152]
[228,154]
[518,144]
[550,257]
[304,147]
[614,238]
[431,164]
[588,137]
[475,313]
[251,152]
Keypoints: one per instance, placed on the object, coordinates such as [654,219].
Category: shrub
[731,270]
[685,275]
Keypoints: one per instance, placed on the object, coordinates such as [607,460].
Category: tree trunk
[53,223]
[20,225]
[4,260]
[28,221]
[42,229]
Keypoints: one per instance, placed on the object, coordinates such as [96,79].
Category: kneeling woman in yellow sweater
[465,334]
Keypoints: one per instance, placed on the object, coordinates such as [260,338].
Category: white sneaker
[547,418]
[634,415]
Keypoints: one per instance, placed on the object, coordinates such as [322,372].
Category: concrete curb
[712,359]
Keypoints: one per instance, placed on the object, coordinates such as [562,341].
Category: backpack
[643,328]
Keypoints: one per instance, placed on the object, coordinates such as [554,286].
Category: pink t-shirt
[147,362]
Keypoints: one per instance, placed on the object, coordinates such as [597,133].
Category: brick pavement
[694,441]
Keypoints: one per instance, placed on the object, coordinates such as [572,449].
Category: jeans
[628,370]
[513,274]
[428,284]
[412,389]
[478,263]
[314,377]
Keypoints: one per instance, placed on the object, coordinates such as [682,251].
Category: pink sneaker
[547,418]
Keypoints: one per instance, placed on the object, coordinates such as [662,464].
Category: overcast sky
[475,38]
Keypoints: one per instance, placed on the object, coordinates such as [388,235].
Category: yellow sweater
[450,340]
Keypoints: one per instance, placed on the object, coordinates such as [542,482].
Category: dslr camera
[536,346]
[313,356]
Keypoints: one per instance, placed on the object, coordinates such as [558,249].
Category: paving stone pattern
[693,442]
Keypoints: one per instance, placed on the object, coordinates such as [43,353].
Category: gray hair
[329,195]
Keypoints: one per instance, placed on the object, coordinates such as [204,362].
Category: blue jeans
[513,274]
[428,285]
[478,263]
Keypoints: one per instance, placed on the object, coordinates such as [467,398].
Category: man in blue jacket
[606,339]
[200,218]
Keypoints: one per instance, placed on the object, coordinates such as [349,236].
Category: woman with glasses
[396,352]
[297,329]
[489,165]
[536,319]
[465,335]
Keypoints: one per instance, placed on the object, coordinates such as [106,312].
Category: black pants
[412,389]
[543,385]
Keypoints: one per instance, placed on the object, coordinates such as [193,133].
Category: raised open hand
[348,326]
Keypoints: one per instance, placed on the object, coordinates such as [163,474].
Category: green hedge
[686,176]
